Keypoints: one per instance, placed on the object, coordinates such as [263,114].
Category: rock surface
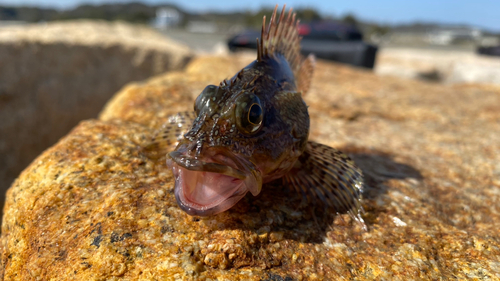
[54,75]
[94,207]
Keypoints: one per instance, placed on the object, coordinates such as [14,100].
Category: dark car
[246,39]
[489,51]
[328,40]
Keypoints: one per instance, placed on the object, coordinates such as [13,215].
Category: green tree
[308,14]
[350,19]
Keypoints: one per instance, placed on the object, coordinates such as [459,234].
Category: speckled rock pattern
[94,207]
[54,75]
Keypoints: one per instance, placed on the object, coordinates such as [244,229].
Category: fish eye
[249,114]
[203,100]
[255,114]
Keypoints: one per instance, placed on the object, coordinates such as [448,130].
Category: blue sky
[481,13]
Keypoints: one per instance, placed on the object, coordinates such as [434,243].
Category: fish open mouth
[212,182]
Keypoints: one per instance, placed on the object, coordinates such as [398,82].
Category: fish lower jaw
[205,193]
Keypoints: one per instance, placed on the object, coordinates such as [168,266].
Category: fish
[252,129]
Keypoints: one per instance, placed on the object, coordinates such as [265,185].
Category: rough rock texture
[94,207]
[54,75]
[448,66]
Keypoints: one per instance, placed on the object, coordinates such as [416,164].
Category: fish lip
[194,164]
[246,177]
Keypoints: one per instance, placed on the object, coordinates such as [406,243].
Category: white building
[167,17]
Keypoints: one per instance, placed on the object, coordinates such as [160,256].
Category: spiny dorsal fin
[304,75]
[282,37]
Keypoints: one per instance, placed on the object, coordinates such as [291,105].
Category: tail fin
[282,37]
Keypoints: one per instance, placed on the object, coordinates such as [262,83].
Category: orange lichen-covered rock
[95,207]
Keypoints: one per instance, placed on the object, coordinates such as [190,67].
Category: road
[447,64]
[200,42]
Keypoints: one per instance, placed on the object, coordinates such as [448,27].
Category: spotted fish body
[254,128]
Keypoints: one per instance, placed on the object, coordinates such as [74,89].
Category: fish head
[236,143]
[248,130]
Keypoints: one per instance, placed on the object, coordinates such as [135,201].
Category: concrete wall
[54,75]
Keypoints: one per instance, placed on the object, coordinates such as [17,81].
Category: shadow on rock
[283,213]
[378,167]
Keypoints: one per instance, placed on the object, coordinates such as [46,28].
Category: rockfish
[252,129]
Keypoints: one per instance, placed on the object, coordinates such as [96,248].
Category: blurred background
[61,60]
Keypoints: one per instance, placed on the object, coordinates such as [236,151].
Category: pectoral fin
[324,174]
[167,138]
